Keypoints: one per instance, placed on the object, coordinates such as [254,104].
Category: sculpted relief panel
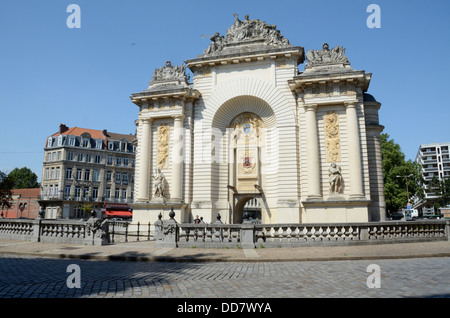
[248,129]
[247,136]
[163,146]
[332,137]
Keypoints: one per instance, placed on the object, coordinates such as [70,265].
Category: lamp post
[407,192]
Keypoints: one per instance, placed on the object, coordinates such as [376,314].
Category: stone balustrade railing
[249,235]
[54,231]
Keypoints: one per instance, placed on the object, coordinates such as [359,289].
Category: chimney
[105,132]
[62,128]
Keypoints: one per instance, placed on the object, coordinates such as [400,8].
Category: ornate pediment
[326,56]
[247,32]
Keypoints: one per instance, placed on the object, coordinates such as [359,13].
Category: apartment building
[84,169]
[435,161]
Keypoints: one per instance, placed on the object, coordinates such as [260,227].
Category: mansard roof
[94,133]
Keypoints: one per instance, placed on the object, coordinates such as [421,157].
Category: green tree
[402,179]
[86,208]
[6,185]
[24,178]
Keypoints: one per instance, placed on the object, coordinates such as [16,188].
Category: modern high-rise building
[435,161]
[86,168]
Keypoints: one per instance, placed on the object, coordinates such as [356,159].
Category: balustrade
[230,235]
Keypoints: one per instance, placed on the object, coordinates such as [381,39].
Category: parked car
[397,216]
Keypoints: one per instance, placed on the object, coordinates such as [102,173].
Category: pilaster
[313,157]
[354,151]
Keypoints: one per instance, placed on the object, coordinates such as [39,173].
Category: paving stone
[36,277]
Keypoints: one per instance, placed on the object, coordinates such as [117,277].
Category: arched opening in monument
[247,207]
[246,127]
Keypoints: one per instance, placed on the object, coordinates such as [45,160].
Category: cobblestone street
[33,277]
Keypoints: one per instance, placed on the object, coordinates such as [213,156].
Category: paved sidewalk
[146,251]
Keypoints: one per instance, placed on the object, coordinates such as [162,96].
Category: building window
[125,162]
[47,173]
[80,157]
[88,158]
[78,174]
[67,191]
[72,141]
[52,173]
[95,193]
[57,173]
[50,142]
[110,145]
[118,176]
[87,174]
[125,178]
[99,144]
[124,194]
[118,161]
[108,193]
[70,156]
[117,194]
[53,156]
[98,159]
[110,160]
[77,192]
[108,175]
[69,173]
[85,142]
[96,175]
[59,155]
[60,140]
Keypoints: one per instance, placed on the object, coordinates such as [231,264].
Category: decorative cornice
[296,53]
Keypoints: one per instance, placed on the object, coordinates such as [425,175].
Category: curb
[183,259]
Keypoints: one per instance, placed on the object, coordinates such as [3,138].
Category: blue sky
[51,74]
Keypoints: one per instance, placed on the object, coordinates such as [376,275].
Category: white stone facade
[251,126]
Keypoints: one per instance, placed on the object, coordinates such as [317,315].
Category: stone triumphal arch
[255,133]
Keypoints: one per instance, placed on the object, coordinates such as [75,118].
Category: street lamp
[406,178]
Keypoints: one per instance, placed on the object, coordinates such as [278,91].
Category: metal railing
[123,231]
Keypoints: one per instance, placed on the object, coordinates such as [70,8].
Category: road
[33,277]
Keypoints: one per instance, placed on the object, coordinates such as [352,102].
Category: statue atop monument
[246,31]
[326,56]
[168,73]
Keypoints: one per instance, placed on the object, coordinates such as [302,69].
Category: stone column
[354,151]
[313,158]
[177,159]
[144,161]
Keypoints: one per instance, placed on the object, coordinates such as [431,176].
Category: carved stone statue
[247,31]
[336,181]
[326,56]
[169,72]
[216,43]
[159,184]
